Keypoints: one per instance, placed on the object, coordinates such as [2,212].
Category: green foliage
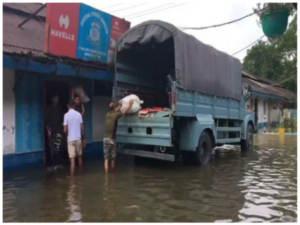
[276,59]
[273,7]
[288,123]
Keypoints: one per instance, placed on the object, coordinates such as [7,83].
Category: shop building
[268,101]
[30,79]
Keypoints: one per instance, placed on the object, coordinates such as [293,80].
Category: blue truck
[199,87]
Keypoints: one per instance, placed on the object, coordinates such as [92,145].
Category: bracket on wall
[34,14]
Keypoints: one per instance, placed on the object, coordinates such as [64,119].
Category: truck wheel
[247,145]
[204,150]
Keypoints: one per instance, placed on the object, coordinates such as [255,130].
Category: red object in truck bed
[154,109]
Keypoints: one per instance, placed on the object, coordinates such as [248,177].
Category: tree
[276,59]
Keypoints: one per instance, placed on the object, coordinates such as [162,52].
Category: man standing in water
[73,126]
[109,140]
[54,128]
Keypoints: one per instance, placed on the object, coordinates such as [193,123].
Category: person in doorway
[54,129]
[73,127]
[109,140]
[79,107]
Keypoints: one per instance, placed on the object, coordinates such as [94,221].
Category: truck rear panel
[146,131]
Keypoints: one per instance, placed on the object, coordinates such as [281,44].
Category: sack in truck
[136,106]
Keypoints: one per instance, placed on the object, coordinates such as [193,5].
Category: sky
[230,38]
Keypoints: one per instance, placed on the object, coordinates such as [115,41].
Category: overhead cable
[148,10]
[110,6]
[248,46]
[131,7]
[158,10]
[217,25]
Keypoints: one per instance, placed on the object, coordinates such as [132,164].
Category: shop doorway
[61,89]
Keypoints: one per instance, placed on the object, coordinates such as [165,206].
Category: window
[265,107]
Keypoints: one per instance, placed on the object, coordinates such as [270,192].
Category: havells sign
[79,31]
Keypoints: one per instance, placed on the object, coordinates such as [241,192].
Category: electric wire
[285,80]
[248,46]
[110,6]
[157,10]
[217,25]
[147,10]
[221,24]
[131,7]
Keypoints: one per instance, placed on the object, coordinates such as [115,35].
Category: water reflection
[250,187]
[74,196]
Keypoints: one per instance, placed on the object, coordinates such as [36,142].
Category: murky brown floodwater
[258,186]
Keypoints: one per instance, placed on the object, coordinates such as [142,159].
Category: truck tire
[247,145]
[204,149]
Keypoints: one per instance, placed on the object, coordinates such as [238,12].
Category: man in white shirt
[73,126]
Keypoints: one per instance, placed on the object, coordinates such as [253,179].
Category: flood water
[257,186]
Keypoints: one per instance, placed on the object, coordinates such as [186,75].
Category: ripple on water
[260,186]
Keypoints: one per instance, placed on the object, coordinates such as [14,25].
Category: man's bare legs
[80,163]
[106,162]
[106,165]
[113,164]
[72,166]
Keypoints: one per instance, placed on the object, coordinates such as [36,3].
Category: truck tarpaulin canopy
[199,67]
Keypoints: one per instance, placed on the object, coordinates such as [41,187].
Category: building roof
[28,8]
[28,40]
[267,86]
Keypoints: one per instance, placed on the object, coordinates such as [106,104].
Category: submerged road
[257,186]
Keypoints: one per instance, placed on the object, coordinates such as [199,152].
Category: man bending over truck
[109,140]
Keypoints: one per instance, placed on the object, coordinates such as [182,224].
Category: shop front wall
[9,122]
[30,111]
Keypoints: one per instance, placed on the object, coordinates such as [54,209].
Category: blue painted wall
[29,113]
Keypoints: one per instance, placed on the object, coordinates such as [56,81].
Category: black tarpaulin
[199,67]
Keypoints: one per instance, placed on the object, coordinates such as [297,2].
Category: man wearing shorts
[109,140]
[73,126]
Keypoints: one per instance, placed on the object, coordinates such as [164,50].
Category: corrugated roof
[262,79]
[11,49]
[270,89]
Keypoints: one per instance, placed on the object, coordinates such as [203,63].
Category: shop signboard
[76,30]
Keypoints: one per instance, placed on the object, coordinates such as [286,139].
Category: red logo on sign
[118,27]
[61,29]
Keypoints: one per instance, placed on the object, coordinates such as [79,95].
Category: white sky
[230,38]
